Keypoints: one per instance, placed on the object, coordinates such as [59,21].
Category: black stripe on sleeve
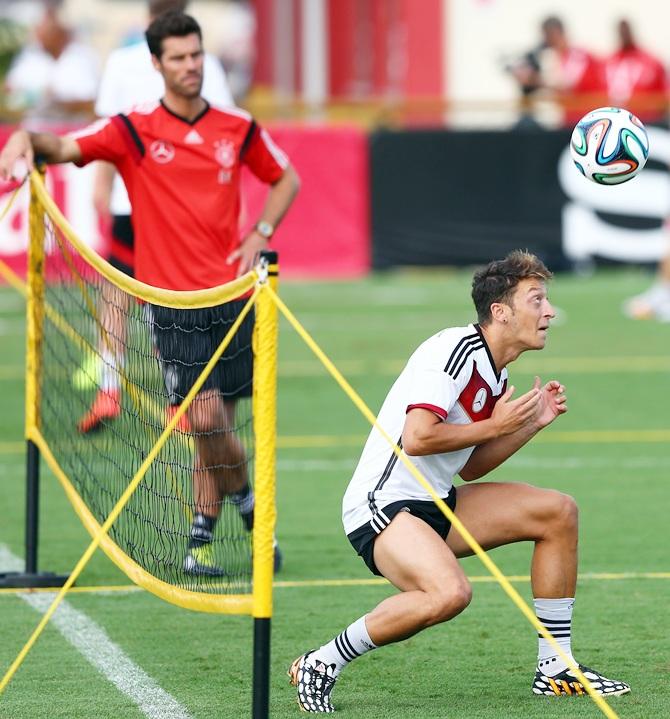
[139,145]
[253,128]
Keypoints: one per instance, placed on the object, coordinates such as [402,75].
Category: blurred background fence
[426,133]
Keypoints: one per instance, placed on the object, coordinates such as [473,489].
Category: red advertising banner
[325,234]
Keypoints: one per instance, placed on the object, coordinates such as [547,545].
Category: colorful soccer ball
[609,145]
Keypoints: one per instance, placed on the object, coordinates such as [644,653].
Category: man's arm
[486,457]
[424,433]
[279,199]
[102,187]
[25,146]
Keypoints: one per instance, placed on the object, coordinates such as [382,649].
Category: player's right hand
[17,157]
[510,415]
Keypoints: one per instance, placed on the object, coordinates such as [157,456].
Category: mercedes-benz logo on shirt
[479,401]
[161,151]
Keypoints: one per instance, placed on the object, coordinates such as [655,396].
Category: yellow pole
[265,440]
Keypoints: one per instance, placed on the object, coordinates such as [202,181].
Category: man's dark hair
[170,24]
[158,7]
[497,281]
[553,22]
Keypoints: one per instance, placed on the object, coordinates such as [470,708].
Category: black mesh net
[113,371]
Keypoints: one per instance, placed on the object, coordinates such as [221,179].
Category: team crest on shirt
[161,151]
[479,401]
[224,152]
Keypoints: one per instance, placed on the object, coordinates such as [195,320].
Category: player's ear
[499,312]
[155,62]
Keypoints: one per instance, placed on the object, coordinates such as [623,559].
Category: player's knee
[205,418]
[565,512]
[202,422]
[569,511]
[446,603]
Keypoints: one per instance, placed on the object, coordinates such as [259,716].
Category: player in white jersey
[451,375]
[452,413]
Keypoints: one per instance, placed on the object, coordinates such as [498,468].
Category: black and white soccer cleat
[200,562]
[314,683]
[566,683]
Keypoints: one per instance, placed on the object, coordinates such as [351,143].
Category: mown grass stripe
[298,583]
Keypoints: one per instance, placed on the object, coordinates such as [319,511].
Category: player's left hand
[553,402]
[247,252]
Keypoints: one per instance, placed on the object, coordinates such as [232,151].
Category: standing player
[129,78]
[453,414]
[180,160]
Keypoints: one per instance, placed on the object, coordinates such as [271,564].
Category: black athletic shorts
[122,251]
[187,339]
[363,538]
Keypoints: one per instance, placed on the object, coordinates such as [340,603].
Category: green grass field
[610,452]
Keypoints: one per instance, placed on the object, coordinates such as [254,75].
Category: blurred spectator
[636,79]
[235,39]
[526,71]
[55,77]
[574,77]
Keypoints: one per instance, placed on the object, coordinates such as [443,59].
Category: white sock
[351,643]
[110,379]
[556,615]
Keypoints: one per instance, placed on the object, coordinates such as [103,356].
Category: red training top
[183,180]
[637,81]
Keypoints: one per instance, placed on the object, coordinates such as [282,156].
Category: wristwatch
[264,229]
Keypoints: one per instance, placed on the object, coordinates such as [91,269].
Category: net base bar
[39,580]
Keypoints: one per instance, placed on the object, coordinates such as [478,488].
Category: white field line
[106,656]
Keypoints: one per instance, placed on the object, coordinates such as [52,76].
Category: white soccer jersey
[129,79]
[451,374]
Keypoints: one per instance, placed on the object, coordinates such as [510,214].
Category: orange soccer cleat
[183,425]
[106,406]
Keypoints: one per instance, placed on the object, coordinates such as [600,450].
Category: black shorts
[363,538]
[122,251]
[187,339]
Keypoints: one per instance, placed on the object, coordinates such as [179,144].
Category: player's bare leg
[106,368]
[434,589]
[220,469]
[654,303]
[212,422]
[501,513]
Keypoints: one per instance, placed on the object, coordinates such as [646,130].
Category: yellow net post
[265,431]
[35,322]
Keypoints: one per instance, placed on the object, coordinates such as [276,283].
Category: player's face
[531,313]
[181,65]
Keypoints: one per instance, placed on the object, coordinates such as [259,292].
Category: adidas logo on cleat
[566,683]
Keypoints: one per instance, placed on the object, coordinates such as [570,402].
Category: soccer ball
[609,145]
